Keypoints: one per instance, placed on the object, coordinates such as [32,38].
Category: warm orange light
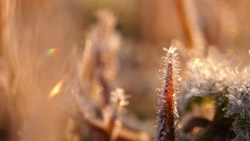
[56,89]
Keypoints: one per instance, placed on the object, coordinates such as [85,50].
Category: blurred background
[142,28]
[146,27]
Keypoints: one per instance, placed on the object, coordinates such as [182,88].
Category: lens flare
[55,90]
[51,51]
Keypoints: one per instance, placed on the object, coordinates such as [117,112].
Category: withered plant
[212,103]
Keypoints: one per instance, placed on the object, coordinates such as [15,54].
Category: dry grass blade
[189,24]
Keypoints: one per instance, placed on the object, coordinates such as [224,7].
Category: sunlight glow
[56,89]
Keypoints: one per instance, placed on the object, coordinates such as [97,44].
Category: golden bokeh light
[56,89]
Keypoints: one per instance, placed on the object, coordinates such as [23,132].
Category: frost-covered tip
[119,97]
[166,108]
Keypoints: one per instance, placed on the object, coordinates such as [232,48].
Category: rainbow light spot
[50,52]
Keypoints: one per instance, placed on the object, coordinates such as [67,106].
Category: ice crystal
[205,77]
[119,98]
[239,104]
[167,113]
[239,98]
[209,77]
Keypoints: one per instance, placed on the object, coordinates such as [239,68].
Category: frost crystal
[239,104]
[205,77]
[166,108]
[118,97]
[214,77]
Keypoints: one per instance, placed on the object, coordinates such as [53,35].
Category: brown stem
[184,22]
[189,25]
[169,104]
[167,112]
[111,122]
[166,119]
[101,78]
[125,134]
[105,130]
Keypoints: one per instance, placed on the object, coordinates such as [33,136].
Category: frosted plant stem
[167,113]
